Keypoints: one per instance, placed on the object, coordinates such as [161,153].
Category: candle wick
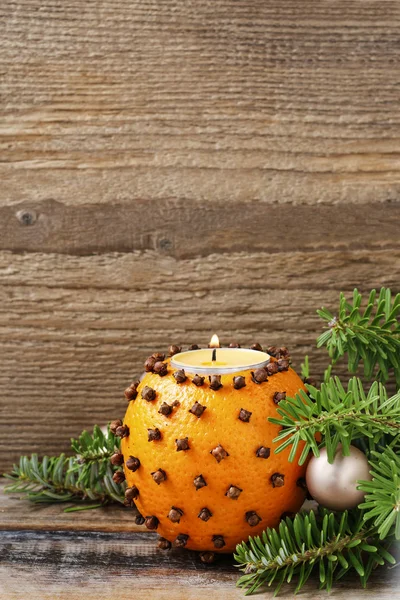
[214,355]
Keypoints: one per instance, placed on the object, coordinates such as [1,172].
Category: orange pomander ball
[199,455]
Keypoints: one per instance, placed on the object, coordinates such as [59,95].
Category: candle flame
[214,342]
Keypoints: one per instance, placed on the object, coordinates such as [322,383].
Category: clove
[132,463]
[244,415]
[131,493]
[131,391]
[159,476]
[117,459]
[165,409]
[180,376]
[148,393]
[197,409]
[283,352]
[149,364]
[277,480]
[161,368]
[139,519]
[174,349]
[219,453]
[197,380]
[278,396]
[153,435]
[256,346]
[199,482]
[164,544]
[205,514]
[218,541]
[118,477]
[263,452]
[252,518]
[151,522]
[259,376]
[182,444]
[175,514]
[215,382]
[233,492]
[181,540]
[272,367]
[283,364]
[122,431]
[114,425]
[239,382]
[272,350]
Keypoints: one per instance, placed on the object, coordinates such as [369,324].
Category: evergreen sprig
[97,446]
[340,415]
[371,334]
[86,476]
[323,541]
[382,499]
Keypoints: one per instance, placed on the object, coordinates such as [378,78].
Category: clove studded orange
[199,453]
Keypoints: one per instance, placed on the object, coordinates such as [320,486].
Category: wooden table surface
[46,554]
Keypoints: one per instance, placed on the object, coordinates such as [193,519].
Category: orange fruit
[200,463]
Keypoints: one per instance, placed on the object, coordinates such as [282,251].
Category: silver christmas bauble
[334,486]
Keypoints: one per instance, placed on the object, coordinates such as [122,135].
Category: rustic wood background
[174,168]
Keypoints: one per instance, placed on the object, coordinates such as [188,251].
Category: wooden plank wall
[174,168]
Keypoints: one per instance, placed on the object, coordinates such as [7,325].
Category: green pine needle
[75,479]
[370,335]
[326,543]
[340,415]
[305,367]
[382,499]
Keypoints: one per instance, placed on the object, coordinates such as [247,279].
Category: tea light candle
[219,361]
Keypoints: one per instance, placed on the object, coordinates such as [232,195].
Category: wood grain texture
[46,554]
[103,566]
[234,164]
[212,101]
[184,230]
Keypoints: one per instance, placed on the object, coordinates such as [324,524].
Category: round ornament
[334,486]
[199,453]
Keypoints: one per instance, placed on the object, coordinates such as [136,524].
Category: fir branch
[382,498]
[93,453]
[305,367]
[340,415]
[86,476]
[329,542]
[96,446]
[371,335]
